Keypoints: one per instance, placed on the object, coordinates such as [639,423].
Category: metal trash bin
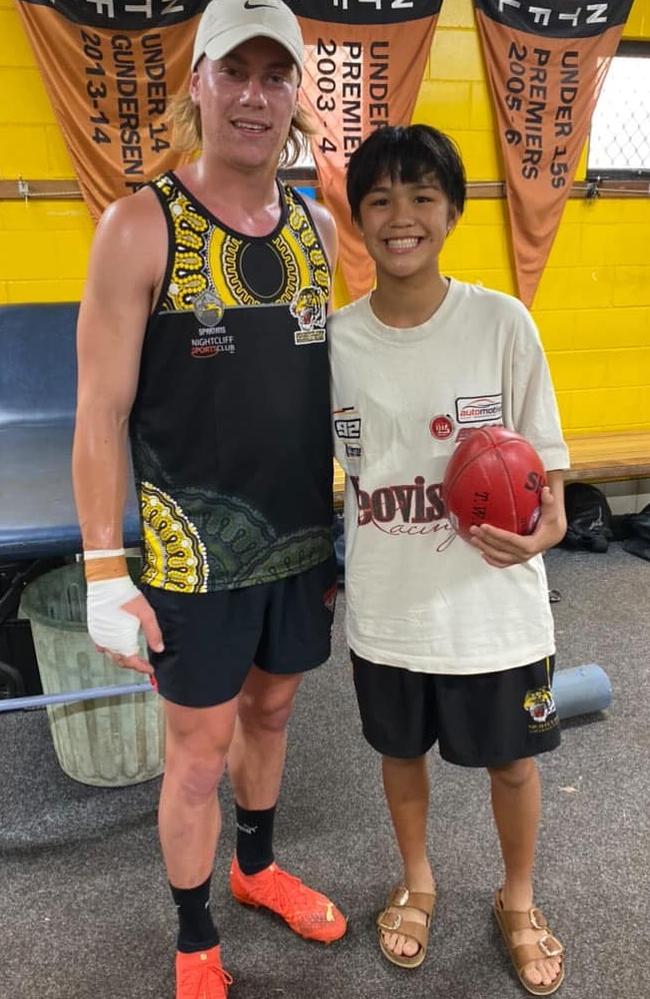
[110,742]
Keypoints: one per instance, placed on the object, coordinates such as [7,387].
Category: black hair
[406,153]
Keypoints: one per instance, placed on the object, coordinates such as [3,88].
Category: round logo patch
[208,308]
[441,427]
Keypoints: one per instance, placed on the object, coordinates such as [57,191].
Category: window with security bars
[619,141]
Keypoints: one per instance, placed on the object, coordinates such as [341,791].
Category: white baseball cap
[225,24]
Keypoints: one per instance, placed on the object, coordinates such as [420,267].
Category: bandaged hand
[109,625]
[116,610]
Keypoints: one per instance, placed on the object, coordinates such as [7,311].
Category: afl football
[494,476]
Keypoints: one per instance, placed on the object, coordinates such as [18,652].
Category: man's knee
[514,774]
[269,713]
[195,775]
[195,757]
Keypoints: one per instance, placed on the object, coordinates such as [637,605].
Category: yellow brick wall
[593,304]
[43,245]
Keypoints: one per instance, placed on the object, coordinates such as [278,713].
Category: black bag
[634,530]
[641,523]
[589,518]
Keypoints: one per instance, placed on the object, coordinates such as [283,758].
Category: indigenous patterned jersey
[230,428]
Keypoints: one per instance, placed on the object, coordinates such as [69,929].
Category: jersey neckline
[223,225]
[403,335]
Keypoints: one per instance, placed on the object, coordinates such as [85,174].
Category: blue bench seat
[37,400]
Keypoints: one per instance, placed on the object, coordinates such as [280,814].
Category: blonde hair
[185,118]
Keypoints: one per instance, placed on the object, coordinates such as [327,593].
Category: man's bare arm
[112,320]
[127,258]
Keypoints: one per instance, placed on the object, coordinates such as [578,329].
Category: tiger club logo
[309,307]
[539,704]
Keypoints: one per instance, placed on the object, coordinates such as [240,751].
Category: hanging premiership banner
[546,60]
[110,68]
[364,65]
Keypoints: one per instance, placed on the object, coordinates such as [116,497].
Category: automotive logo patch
[309,308]
[479,408]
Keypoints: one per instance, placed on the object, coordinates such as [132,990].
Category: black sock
[196,929]
[254,838]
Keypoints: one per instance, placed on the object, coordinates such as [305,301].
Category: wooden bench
[607,457]
[37,392]
[594,458]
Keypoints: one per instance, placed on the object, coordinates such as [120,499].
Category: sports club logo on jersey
[309,308]
[479,408]
[539,704]
[208,308]
[211,338]
[210,342]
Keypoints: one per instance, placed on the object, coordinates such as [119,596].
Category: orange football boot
[200,975]
[308,913]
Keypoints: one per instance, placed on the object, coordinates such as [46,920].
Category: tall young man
[202,334]
[451,642]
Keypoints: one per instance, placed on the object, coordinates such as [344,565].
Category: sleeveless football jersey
[230,429]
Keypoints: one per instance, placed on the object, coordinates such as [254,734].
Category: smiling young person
[450,642]
[201,337]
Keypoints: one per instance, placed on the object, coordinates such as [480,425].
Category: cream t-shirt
[418,596]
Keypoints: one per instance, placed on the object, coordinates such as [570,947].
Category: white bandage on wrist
[109,625]
[104,553]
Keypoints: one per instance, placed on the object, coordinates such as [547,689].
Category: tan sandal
[522,954]
[393,922]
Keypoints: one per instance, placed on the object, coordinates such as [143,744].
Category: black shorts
[212,639]
[478,720]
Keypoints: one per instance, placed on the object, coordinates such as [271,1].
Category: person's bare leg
[259,745]
[406,783]
[255,765]
[197,741]
[516,803]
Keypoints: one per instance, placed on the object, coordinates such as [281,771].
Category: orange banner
[364,65]
[110,68]
[546,63]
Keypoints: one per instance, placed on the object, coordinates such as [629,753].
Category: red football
[494,477]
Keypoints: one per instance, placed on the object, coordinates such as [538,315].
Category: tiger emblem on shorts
[539,704]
